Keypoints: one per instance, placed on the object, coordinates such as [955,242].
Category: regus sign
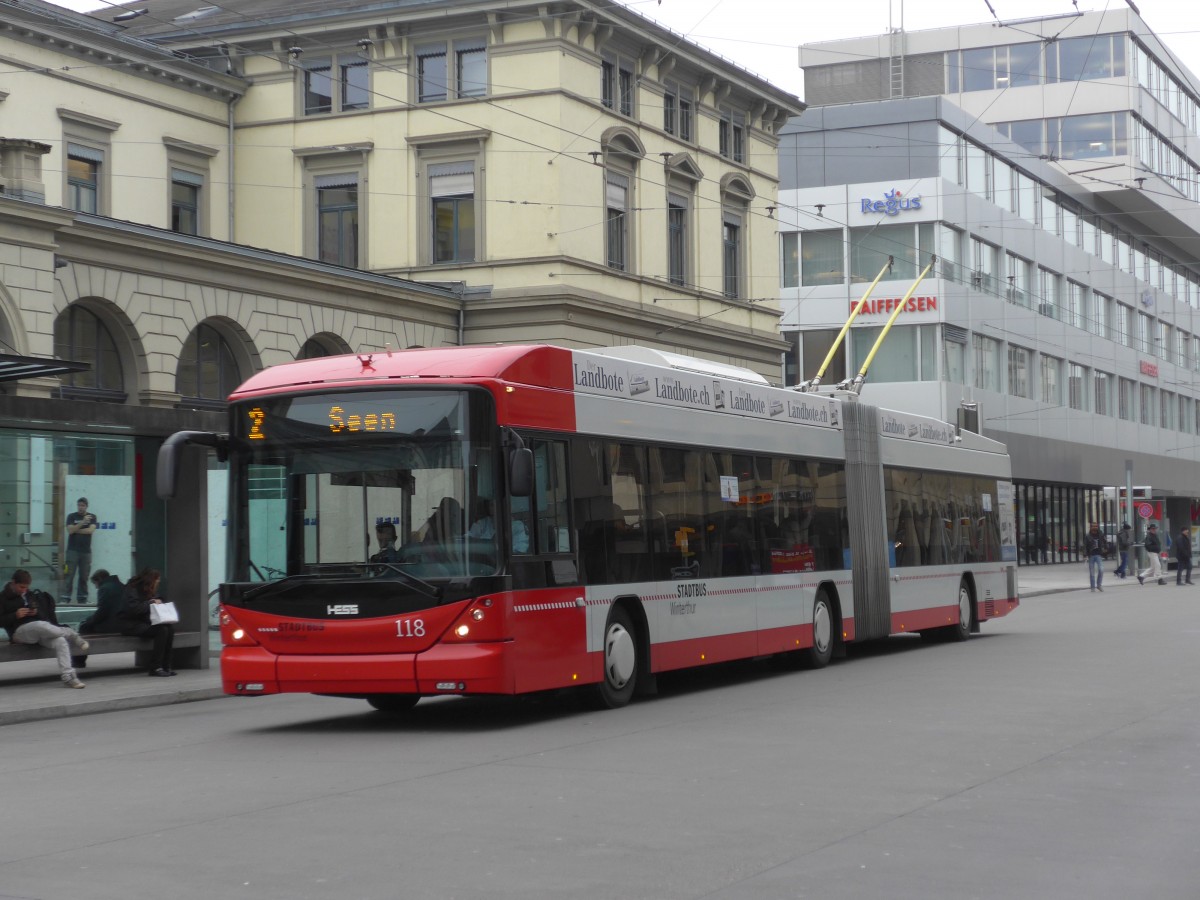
[892,204]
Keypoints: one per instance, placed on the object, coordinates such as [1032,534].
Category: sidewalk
[31,691]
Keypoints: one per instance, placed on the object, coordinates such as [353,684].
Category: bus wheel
[962,630]
[393,703]
[620,662]
[818,655]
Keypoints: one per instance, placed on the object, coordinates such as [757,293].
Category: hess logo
[342,609]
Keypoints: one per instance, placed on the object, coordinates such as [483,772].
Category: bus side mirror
[167,472]
[520,472]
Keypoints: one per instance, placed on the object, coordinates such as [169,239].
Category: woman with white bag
[143,616]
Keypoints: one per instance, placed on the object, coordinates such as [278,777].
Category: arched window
[736,194]
[80,335]
[208,372]
[313,349]
[622,152]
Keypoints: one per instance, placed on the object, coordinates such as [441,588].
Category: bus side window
[551,522]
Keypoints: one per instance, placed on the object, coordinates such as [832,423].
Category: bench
[188,652]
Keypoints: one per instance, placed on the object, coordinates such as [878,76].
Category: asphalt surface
[31,691]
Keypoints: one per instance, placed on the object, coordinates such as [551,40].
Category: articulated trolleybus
[509,519]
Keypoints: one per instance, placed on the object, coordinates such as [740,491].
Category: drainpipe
[462,311]
[233,101]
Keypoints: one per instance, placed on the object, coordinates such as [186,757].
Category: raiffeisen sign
[892,204]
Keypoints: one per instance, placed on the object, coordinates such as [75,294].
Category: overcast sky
[762,35]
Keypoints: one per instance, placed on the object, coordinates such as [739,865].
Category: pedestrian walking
[1124,542]
[1093,549]
[1183,556]
[1153,549]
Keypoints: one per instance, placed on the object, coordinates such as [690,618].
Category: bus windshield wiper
[432,591]
[325,571]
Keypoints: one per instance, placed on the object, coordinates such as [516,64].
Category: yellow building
[604,179]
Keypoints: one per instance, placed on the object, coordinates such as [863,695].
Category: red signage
[886,305]
[1149,368]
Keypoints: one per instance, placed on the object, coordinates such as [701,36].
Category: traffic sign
[1145,510]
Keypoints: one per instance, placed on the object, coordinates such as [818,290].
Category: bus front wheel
[393,703]
[620,662]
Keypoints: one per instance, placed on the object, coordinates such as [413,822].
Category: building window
[1102,405]
[1018,371]
[731,255]
[1077,386]
[185,201]
[456,69]
[83,178]
[821,258]
[1018,276]
[955,351]
[677,238]
[871,248]
[318,87]
[789,254]
[677,111]
[1049,286]
[208,370]
[337,219]
[452,200]
[616,84]
[350,91]
[731,135]
[1126,400]
[431,74]
[1075,300]
[987,363]
[616,213]
[1052,380]
[81,336]
[1147,406]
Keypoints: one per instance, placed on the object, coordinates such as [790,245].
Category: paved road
[1057,755]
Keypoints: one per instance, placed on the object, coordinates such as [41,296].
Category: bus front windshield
[372,483]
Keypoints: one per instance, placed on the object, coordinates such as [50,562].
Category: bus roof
[564,379]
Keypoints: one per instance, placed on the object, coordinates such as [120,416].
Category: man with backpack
[28,617]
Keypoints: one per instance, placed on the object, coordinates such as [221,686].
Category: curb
[68,710]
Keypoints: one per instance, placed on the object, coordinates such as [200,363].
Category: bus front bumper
[442,669]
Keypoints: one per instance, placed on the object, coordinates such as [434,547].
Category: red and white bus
[567,518]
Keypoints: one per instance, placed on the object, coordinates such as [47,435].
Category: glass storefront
[43,478]
[1052,520]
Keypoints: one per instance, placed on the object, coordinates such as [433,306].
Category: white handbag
[163,614]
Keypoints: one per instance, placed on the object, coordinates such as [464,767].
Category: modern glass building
[1052,170]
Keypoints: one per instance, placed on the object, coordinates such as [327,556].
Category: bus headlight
[462,631]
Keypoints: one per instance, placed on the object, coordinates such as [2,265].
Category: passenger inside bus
[445,526]
[484,528]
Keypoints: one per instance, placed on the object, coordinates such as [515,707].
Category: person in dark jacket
[134,619]
[110,597]
[1183,557]
[1153,549]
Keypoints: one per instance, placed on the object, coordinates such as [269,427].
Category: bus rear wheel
[962,630]
[393,703]
[620,662]
[818,655]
